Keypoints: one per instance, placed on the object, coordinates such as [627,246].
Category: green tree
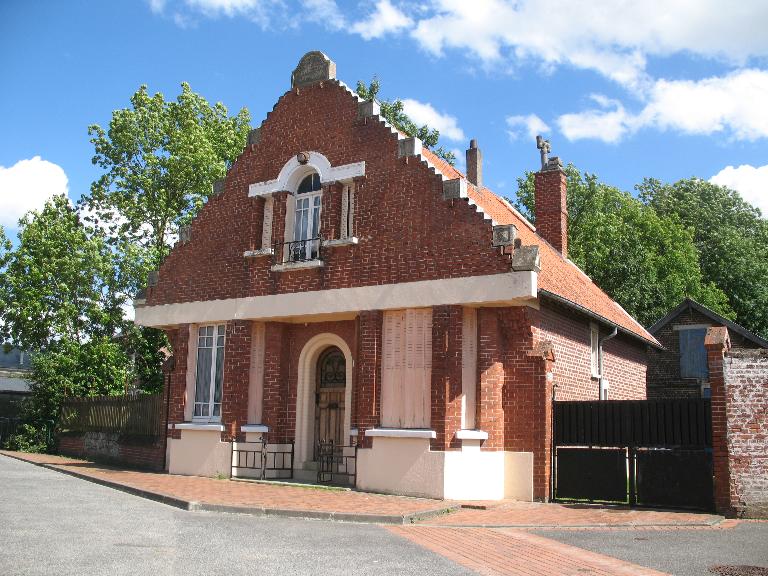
[393,111]
[60,281]
[646,262]
[160,159]
[730,234]
[61,299]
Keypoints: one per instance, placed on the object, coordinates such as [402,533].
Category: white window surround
[288,266]
[594,344]
[199,426]
[349,241]
[401,433]
[258,253]
[293,172]
[263,428]
[472,435]
[212,381]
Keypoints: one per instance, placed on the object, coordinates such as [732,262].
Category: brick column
[330,216]
[237,364]
[276,357]
[368,382]
[179,340]
[446,376]
[490,365]
[717,342]
[542,359]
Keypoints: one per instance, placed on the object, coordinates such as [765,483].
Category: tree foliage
[60,282]
[160,159]
[731,236]
[392,111]
[645,261]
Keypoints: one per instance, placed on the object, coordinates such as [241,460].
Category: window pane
[203,381]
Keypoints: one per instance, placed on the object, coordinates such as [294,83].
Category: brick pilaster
[179,340]
[237,363]
[717,343]
[490,364]
[276,385]
[446,376]
[367,397]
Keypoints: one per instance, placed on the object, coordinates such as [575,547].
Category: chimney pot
[474,164]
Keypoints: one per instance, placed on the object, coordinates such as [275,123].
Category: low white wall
[199,453]
[407,466]
[401,466]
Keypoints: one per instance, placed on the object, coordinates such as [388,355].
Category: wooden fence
[132,415]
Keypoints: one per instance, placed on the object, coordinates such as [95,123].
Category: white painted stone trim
[258,253]
[292,172]
[511,288]
[288,266]
[254,428]
[472,435]
[341,242]
[400,433]
[200,427]
[353,432]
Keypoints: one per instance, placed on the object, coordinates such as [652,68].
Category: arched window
[306,227]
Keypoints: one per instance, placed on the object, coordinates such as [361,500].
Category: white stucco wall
[407,466]
[199,453]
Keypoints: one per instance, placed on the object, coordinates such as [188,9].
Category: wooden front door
[329,397]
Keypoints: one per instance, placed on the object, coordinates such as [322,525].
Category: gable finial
[544,149]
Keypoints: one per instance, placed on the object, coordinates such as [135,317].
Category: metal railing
[299,250]
[269,459]
[337,464]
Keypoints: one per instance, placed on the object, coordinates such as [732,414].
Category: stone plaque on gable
[313,67]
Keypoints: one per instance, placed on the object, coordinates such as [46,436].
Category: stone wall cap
[312,68]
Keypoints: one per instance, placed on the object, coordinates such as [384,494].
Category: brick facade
[739,380]
[406,231]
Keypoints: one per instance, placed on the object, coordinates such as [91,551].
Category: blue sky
[668,89]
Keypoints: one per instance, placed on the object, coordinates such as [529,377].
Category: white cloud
[749,181]
[722,104]
[612,38]
[260,11]
[423,113]
[325,12]
[26,186]
[386,19]
[529,125]
[157,6]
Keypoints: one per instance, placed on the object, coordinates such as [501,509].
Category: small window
[210,373]
[594,341]
[693,354]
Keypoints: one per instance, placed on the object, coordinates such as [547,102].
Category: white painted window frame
[212,382]
[594,349]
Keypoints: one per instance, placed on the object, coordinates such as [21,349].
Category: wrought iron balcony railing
[298,250]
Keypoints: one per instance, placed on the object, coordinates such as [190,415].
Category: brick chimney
[474,164]
[551,204]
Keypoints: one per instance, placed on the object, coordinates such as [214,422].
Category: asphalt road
[51,523]
[678,552]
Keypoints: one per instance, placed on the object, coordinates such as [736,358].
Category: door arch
[305,393]
[330,407]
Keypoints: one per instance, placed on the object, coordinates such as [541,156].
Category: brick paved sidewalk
[504,552]
[541,515]
[199,493]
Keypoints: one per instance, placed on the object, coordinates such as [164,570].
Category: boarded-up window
[468,368]
[406,370]
[693,355]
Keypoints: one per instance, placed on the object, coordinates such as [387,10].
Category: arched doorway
[330,389]
[307,393]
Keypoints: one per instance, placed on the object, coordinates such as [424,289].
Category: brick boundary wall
[739,381]
[113,449]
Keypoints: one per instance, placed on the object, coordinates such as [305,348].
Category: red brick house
[680,370]
[346,284]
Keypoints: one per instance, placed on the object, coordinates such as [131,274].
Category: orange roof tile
[558,276]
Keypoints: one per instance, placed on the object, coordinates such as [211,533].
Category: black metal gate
[636,452]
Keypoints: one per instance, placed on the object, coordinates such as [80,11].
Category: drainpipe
[600,343]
